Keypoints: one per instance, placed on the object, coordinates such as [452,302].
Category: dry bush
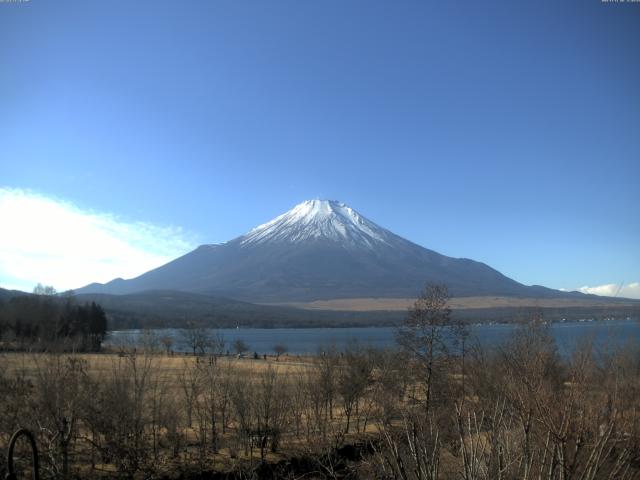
[519,411]
[118,413]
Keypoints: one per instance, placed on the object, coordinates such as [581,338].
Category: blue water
[310,340]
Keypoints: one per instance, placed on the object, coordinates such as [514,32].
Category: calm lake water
[309,340]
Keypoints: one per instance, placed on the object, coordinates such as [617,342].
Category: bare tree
[227,374]
[197,338]
[57,396]
[413,447]
[160,408]
[271,408]
[279,349]
[392,381]
[117,413]
[328,361]
[209,401]
[299,400]
[239,394]
[240,346]
[167,343]
[424,335]
[354,376]
[412,450]
[190,385]
[149,341]
[216,343]
[316,416]
[40,289]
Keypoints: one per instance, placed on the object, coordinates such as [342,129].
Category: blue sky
[507,132]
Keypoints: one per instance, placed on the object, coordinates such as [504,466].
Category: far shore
[456,303]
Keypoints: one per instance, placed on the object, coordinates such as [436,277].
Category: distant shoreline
[455,303]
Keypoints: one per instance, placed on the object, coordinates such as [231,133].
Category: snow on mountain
[320,249]
[319,219]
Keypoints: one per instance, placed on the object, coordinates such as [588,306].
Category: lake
[309,340]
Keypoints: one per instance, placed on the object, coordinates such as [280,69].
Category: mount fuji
[321,250]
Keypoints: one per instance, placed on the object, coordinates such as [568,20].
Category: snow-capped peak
[319,219]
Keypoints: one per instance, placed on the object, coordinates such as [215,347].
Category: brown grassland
[439,407]
[456,303]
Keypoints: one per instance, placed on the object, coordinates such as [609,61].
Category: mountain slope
[320,250]
[165,308]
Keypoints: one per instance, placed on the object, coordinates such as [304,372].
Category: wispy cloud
[630,290]
[52,241]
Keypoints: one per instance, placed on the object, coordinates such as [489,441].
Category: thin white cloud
[54,242]
[630,290]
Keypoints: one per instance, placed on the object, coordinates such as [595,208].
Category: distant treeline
[127,320]
[125,317]
[42,321]
[551,314]
[173,309]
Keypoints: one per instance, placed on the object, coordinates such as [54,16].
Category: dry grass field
[172,367]
[455,303]
[255,409]
[352,414]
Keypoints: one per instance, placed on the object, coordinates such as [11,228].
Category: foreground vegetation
[439,407]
